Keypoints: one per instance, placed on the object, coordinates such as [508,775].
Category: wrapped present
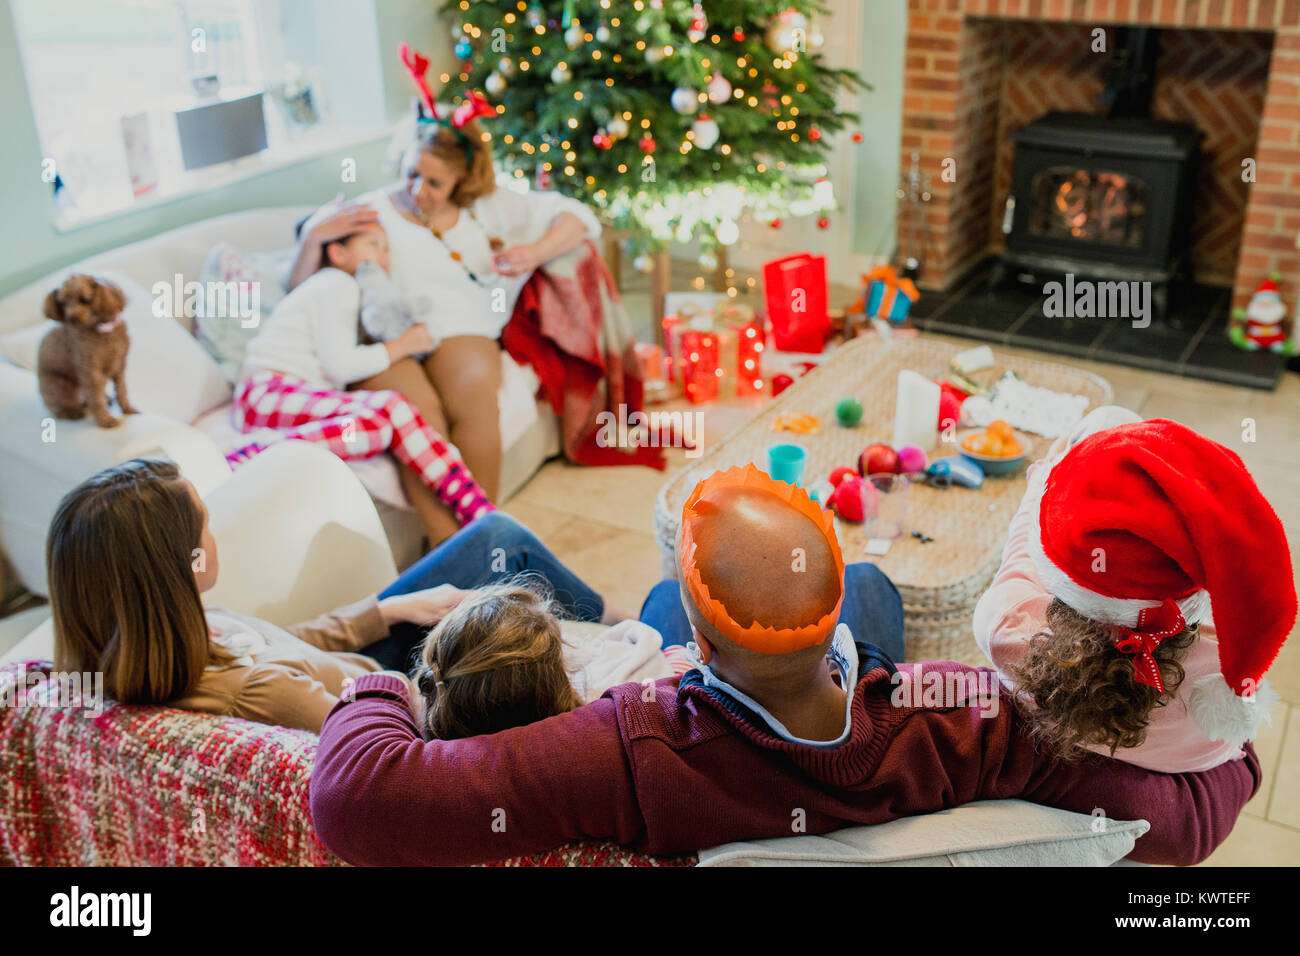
[887,296]
[795,290]
[699,365]
[750,342]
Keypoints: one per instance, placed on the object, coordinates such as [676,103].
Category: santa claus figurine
[1261,325]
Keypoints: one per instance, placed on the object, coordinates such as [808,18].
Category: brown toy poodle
[78,359]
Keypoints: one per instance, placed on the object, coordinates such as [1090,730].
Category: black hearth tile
[1065,336]
[1159,346]
[1218,360]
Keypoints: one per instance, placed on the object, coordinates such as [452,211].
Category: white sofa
[196,429]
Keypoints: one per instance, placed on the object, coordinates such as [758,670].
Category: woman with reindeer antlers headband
[463,248]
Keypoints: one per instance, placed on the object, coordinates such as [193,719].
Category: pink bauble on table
[911,460]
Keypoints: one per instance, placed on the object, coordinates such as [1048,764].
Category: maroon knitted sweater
[688,770]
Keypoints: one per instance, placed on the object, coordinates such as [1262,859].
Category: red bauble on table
[780,383]
[854,499]
[878,459]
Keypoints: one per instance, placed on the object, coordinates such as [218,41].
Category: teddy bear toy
[87,350]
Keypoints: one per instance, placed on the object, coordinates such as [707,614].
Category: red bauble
[878,459]
[854,499]
[775,223]
[823,223]
[839,474]
[602,141]
[857,137]
[738,35]
[814,134]
[647,144]
[780,383]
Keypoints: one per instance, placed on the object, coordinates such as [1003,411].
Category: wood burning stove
[1107,198]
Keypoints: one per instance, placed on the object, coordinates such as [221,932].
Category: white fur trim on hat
[1101,607]
[1224,715]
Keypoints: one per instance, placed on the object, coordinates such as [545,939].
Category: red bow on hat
[474,105]
[1153,626]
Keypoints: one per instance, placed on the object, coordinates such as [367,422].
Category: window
[139,100]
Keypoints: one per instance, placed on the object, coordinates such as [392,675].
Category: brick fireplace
[978,70]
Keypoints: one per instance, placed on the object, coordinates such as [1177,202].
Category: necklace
[494,243]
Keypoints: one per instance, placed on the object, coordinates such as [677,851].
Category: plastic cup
[890,519]
[786,463]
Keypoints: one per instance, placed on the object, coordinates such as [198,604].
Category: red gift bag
[795,288]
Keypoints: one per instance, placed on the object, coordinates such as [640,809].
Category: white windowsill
[225,174]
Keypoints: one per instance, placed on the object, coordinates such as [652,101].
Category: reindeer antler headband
[475,104]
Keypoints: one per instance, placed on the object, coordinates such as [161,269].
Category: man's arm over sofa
[1190,813]
[381,795]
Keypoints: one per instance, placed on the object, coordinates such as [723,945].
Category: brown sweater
[287,676]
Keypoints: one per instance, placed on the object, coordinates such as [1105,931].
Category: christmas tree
[673,117]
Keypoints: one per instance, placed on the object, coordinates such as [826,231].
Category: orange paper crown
[755,636]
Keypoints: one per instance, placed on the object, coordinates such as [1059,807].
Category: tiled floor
[599,521]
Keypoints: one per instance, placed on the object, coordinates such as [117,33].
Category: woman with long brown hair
[129,555]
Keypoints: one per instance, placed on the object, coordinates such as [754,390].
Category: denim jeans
[489,550]
[872,610]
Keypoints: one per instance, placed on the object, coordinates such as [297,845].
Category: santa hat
[1148,527]
[1268,288]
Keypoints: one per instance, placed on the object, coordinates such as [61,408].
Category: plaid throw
[156,786]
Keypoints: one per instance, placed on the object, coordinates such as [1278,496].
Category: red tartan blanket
[156,786]
[569,325]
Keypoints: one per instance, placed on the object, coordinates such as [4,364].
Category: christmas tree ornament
[602,32]
[738,35]
[699,24]
[506,66]
[775,223]
[719,89]
[857,137]
[685,100]
[848,411]
[495,84]
[464,49]
[654,54]
[823,222]
[573,36]
[617,127]
[561,73]
[708,261]
[643,263]
[566,17]
[727,232]
[706,131]
[602,140]
[647,144]
[814,133]
[787,32]
[535,15]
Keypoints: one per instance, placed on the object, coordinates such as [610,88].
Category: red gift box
[795,289]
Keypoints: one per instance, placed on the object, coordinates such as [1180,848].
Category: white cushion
[167,372]
[984,833]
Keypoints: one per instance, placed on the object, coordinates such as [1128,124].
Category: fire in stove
[1089,206]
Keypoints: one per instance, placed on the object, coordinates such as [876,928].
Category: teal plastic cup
[786,463]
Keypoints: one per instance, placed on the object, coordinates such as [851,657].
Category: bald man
[790,718]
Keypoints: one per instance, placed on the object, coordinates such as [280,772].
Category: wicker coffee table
[939,581]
